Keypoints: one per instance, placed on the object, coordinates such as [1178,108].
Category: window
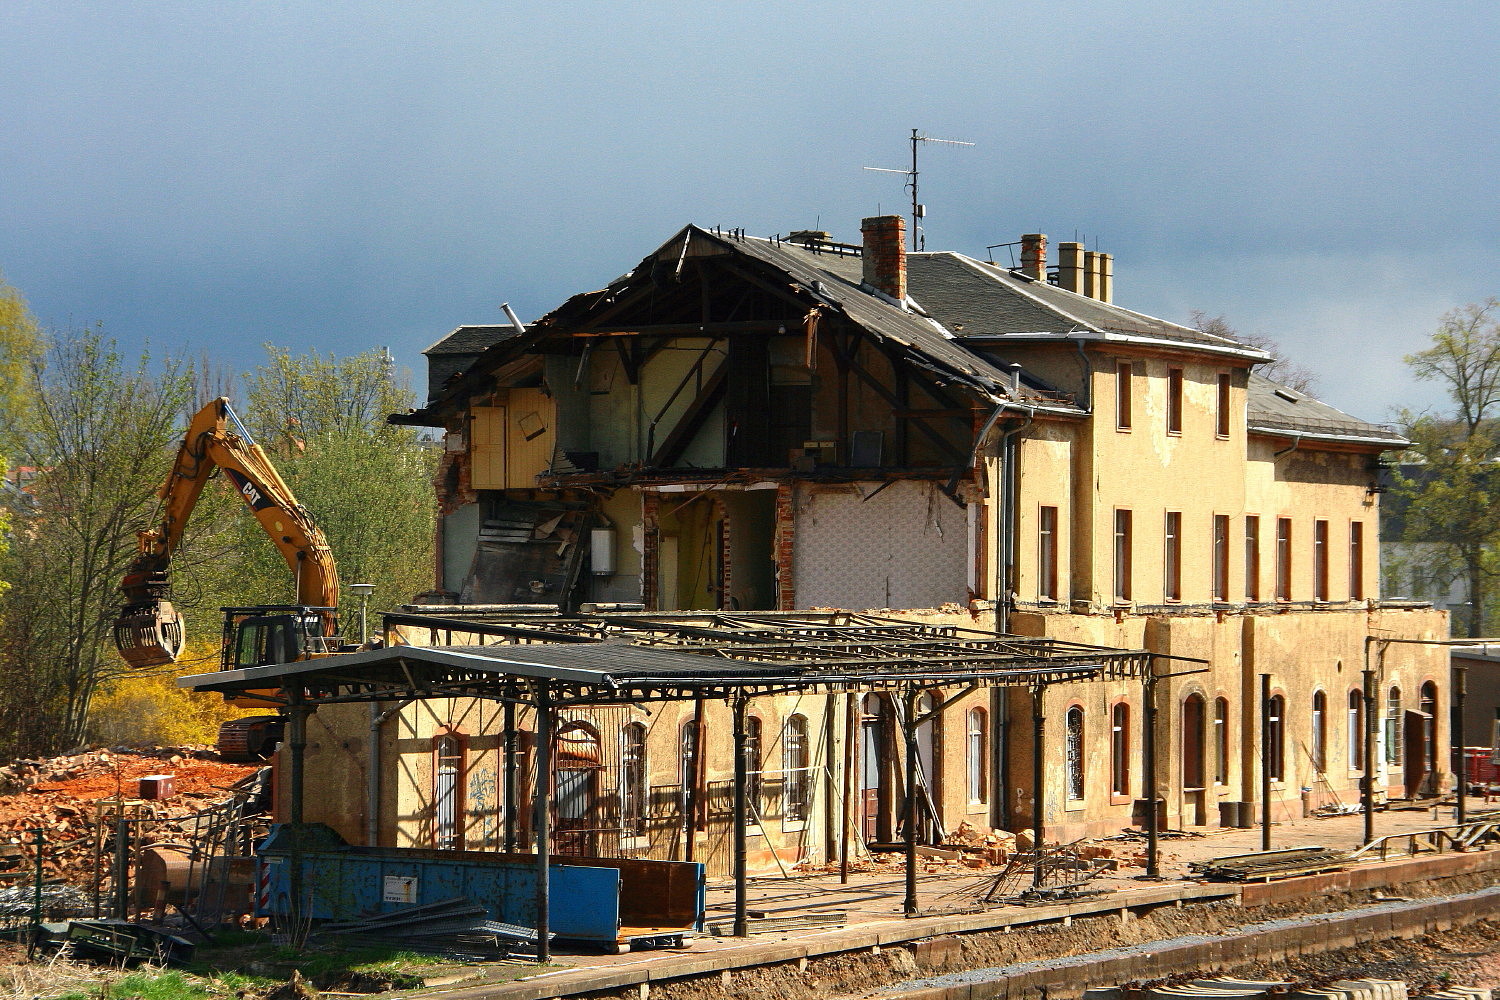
[1221,741]
[1393,740]
[1252,557]
[1123,544]
[447,792]
[1356,560]
[1276,738]
[1319,731]
[1221,557]
[794,762]
[1119,749]
[1046,553]
[1122,395]
[1320,560]
[1283,559]
[687,775]
[1173,569]
[578,764]
[1356,730]
[1222,424]
[1075,751]
[978,754]
[1174,400]
[1192,741]
[753,765]
[633,788]
[1429,727]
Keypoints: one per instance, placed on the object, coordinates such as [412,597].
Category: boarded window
[1252,557]
[1192,741]
[1123,390]
[1174,401]
[1173,570]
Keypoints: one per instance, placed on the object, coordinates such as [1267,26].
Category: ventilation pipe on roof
[515,320]
[1034,256]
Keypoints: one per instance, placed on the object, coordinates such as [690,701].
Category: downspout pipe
[372,773]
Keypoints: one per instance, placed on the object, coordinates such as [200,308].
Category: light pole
[363,592]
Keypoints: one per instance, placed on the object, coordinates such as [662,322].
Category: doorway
[1414,728]
[873,788]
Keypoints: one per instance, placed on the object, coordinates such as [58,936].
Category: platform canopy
[629,658]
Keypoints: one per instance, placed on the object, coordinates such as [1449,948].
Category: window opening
[795,762]
[1046,552]
[978,755]
[1075,753]
[1119,749]
[1173,589]
[1276,745]
[1283,559]
[1123,543]
[1221,741]
[447,787]
[1174,401]
[1252,558]
[1356,730]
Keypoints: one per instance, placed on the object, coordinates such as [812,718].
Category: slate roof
[977,299]
[472,339]
[1277,409]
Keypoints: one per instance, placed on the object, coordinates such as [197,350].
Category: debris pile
[59,796]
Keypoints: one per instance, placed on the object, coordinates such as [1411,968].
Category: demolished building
[741,428]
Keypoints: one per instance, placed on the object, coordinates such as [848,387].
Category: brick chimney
[1106,277]
[1034,256]
[885,254]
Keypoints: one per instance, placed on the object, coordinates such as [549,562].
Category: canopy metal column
[909,730]
[542,820]
[741,769]
[1038,786]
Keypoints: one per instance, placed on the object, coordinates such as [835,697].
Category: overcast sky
[338,176]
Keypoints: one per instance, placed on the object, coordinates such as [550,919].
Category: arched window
[1075,753]
[448,791]
[979,754]
[1276,744]
[795,759]
[687,767]
[1393,735]
[1356,730]
[1429,727]
[1221,741]
[753,765]
[1192,741]
[633,782]
[1119,749]
[579,760]
[1319,731]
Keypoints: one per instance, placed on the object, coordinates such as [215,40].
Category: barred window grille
[1075,753]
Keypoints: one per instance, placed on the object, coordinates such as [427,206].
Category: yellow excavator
[149,631]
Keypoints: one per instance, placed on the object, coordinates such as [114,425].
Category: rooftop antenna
[918,210]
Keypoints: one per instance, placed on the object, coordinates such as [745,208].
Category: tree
[366,482]
[100,435]
[1449,483]
[20,344]
[1280,369]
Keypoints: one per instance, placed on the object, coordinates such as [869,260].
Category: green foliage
[1451,496]
[366,482]
[20,345]
[100,433]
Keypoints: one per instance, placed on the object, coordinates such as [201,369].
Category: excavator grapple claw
[149,634]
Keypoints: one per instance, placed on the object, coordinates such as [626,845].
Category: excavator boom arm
[149,631]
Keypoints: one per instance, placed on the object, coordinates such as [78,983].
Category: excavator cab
[149,630]
[276,633]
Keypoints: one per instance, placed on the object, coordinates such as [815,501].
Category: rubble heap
[59,794]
